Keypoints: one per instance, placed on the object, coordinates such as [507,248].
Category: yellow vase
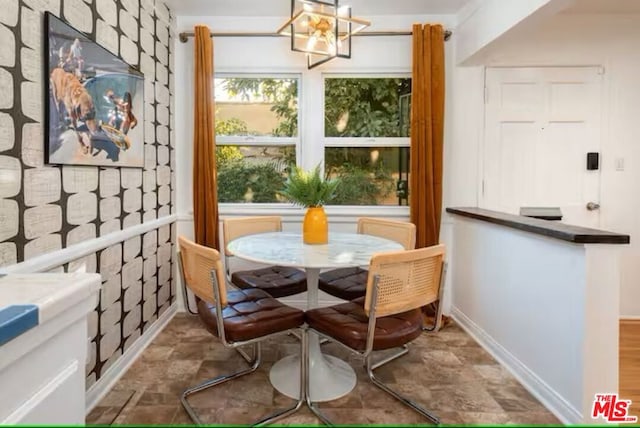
[315,229]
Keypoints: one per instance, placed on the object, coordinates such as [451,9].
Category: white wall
[545,308]
[273,55]
[483,21]
[573,40]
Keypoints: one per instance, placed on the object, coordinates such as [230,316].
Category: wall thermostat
[593,161]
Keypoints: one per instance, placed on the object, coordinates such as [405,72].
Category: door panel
[517,144]
[540,123]
[520,97]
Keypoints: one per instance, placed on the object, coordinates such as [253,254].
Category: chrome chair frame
[437,323]
[185,294]
[254,362]
[370,366]
[433,328]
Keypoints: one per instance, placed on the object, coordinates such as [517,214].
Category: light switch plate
[619,164]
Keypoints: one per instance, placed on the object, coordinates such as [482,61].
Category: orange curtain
[205,186]
[427,129]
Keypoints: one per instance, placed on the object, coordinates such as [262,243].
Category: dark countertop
[552,229]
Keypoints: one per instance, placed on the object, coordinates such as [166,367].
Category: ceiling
[282,7]
[604,6]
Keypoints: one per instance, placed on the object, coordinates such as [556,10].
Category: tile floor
[447,372]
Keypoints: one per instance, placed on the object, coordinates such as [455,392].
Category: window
[367,138]
[256,136]
[365,143]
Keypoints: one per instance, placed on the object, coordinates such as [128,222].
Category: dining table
[329,376]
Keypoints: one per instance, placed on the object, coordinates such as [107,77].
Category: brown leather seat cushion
[345,283]
[347,322]
[250,314]
[278,281]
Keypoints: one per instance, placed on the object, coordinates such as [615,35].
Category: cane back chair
[237,318]
[389,315]
[351,282]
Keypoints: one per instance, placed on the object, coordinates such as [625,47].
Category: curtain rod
[184,36]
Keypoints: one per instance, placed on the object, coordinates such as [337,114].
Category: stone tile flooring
[447,372]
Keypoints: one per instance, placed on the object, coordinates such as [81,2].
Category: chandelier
[322,29]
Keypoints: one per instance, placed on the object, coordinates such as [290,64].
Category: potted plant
[312,191]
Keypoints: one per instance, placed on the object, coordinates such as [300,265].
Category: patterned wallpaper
[48,208]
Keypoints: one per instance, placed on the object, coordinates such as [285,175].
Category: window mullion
[256,141]
[311,108]
[367,142]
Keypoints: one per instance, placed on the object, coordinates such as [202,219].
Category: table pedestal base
[329,377]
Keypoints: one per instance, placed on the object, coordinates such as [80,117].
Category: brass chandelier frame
[324,23]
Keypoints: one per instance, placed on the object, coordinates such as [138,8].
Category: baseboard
[549,398]
[103,385]
[632,319]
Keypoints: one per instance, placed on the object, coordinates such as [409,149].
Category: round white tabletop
[329,377]
[287,249]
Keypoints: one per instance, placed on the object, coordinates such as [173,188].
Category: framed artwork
[94,102]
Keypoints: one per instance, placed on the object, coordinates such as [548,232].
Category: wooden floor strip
[630,363]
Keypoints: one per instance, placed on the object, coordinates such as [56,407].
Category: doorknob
[592,206]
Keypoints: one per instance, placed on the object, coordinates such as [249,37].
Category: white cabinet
[42,371]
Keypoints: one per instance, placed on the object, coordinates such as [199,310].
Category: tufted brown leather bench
[278,281]
[250,314]
[348,323]
[345,283]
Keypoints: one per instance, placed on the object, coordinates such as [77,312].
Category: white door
[540,123]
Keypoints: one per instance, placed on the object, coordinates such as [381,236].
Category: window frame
[328,142]
[253,140]
[361,141]
[310,105]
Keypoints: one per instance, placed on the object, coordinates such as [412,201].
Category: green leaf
[309,188]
